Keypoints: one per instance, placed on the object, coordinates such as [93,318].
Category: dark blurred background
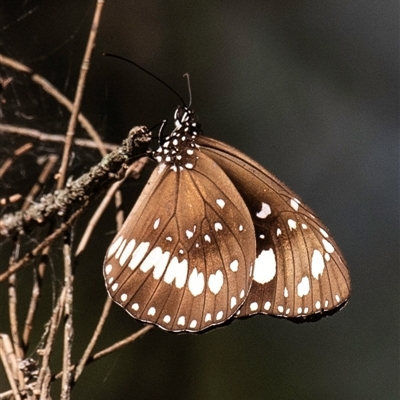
[308,89]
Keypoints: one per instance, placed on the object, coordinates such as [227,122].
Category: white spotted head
[178,150]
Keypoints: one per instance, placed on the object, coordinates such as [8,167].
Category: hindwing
[299,271]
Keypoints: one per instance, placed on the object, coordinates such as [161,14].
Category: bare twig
[68,321]
[52,137]
[79,94]
[45,372]
[7,164]
[79,191]
[39,248]
[50,89]
[38,274]
[10,363]
[116,346]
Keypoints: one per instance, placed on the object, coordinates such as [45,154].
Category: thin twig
[48,167]
[46,352]
[111,168]
[52,137]
[52,91]
[104,204]
[39,248]
[88,351]
[10,364]
[7,164]
[68,320]
[38,274]
[79,94]
[114,347]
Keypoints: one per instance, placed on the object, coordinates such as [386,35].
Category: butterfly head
[178,150]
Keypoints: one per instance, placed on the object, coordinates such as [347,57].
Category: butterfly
[214,236]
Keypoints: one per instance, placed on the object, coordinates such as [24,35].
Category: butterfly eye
[215,236]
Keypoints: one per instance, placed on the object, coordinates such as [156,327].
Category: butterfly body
[215,236]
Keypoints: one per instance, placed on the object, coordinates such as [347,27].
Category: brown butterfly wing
[299,270]
[183,257]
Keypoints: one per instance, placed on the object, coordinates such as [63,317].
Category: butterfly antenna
[149,73]
[189,89]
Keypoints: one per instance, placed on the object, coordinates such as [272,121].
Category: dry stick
[10,364]
[12,293]
[54,324]
[12,307]
[38,272]
[68,321]
[114,347]
[40,181]
[84,359]
[79,191]
[52,137]
[39,248]
[7,164]
[79,94]
[52,91]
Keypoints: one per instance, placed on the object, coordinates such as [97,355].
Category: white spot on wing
[138,255]
[234,265]
[114,287]
[124,296]
[181,320]
[207,238]
[267,305]
[294,204]
[254,306]
[196,282]
[135,306]
[193,324]
[219,315]
[221,203]
[265,211]
[207,318]
[218,226]
[292,224]
[286,292]
[178,271]
[127,252]
[303,288]
[323,232]
[189,234]
[156,223]
[114,247]
[241,294]
[278,232]
[167,319]
[152,311]
[120,249]
[317,264]
[108,269]
[280,309]
[215,282]
[265,267]
[337,298]
[233,301]
[317,304]
[328,247]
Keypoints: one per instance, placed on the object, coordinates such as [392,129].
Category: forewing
[183,257]
[299,271]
